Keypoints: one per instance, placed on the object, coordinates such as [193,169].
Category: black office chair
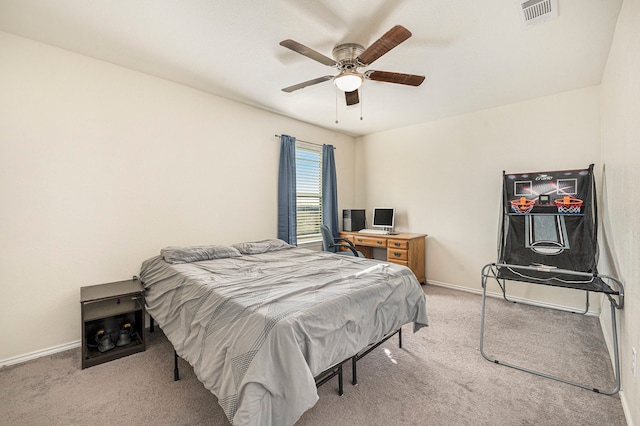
[332,245]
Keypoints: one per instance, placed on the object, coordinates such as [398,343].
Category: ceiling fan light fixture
[348,81]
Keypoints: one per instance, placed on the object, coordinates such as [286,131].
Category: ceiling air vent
[534,12]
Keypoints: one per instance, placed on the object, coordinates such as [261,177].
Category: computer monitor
[384,217]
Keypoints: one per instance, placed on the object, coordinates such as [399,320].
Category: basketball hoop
[568,205]
[522,205]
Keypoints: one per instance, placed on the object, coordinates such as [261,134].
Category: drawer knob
[396,244]
[379,242]
[397,254]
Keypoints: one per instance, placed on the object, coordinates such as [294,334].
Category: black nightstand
[108,307]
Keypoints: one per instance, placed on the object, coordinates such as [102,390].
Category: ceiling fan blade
[352,97]
[388,41]
[308,52]
[307,83]
[394,77]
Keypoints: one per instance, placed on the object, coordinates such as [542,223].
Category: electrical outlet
[634,361]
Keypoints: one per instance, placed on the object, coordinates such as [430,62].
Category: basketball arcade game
[548,236]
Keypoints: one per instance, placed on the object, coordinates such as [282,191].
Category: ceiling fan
[348,57]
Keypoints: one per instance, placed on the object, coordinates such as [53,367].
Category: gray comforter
[257,328]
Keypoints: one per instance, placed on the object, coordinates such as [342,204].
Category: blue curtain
[329,190]
[287,229]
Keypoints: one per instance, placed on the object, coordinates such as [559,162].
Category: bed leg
[340,386]
[151,325]
[400,338]
[176,374]
[354,374]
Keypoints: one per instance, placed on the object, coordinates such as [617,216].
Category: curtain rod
[312,143]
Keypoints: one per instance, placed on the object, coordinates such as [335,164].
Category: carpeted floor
[437,378]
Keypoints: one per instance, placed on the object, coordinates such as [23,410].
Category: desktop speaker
[353,220]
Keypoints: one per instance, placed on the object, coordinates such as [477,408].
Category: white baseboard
[625,408]
[513,298]
[50,351]
[40,353]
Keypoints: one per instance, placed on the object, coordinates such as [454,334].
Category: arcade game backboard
[549,237]
[549,219]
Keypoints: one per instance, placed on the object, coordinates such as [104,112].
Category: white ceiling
[475,54]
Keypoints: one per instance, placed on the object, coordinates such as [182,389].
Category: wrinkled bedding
[258,328]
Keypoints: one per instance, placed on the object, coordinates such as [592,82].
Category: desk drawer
[398,244]
[399,262]
[397,254]
[369,241]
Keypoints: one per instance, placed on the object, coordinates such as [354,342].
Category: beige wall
[621,197]
[102,166]
[445,178]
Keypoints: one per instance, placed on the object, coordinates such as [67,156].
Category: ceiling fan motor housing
[346,54]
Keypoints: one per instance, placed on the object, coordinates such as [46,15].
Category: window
[308,192]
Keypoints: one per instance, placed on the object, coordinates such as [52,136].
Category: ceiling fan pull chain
[336,105]
[361,103]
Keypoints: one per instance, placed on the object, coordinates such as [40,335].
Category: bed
[258,321]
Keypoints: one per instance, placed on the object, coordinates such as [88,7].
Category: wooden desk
[402,248]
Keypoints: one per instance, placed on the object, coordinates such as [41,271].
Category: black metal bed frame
[320,379]
[323,377]
[357,357]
